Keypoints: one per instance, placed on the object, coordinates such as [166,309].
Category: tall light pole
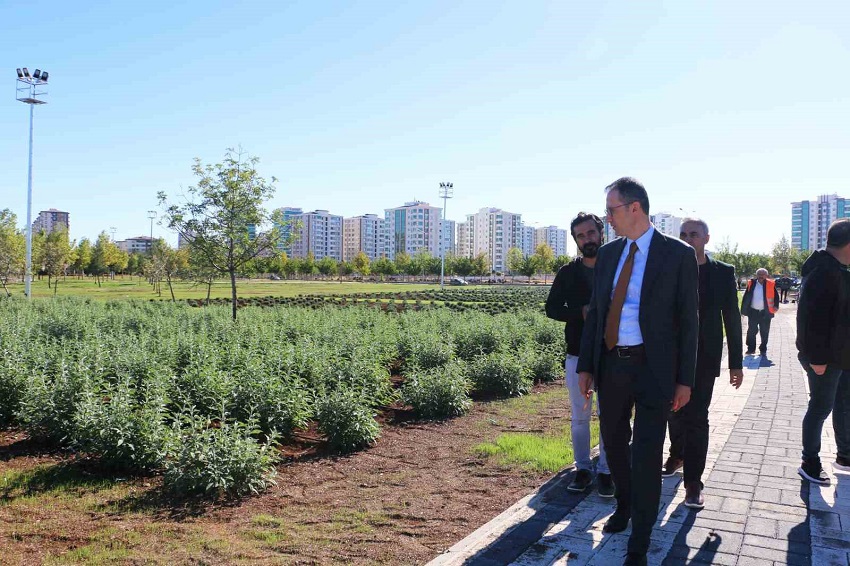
[151,215]
[446,192]
[28,90]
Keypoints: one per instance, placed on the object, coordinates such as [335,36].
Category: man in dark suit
[638,350]
[718,307]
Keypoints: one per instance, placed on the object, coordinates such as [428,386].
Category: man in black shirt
[567,302]
[718,307]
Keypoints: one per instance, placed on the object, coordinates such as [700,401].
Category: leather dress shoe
[617,522]
[635,559]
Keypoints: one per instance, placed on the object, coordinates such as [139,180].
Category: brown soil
[419,490]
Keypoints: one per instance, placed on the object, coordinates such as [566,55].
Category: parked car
[274,277]
[458,281]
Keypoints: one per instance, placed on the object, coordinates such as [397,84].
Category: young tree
[83,254]
[326,266]
[383,266]
[515,260]
[343,269]
[12,248]
[361,263]
[544,255]
[480,265]
[168,262]
[781,256]
[403,263]
[228,198]
[56,256]
[798,258]
[104,254]
[529,266]
[463,266]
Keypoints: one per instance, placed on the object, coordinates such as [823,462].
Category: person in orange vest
[760,303]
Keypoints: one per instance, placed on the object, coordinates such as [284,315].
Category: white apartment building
[50,220]
[412,228]
[137,245]
[528,240]
[491,231]
[320,232]
[810,220]
[552,236]
[667,224]
[448,238]
[367,234]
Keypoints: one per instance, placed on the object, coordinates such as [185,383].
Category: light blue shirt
[630,334]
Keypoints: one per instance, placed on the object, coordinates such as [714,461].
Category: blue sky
[729,110]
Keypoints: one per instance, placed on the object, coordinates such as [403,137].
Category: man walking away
[718,308]
[823,343]
[759,305]
[567,302]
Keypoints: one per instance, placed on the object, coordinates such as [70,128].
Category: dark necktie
[612,323]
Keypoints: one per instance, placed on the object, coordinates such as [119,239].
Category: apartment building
[138,245]
[810,220]
[319,232]
[50,220]
[412,228]
[552,236]
[367,234]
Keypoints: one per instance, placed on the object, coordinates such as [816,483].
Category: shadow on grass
[65,477]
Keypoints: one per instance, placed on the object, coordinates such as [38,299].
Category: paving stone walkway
[758,512]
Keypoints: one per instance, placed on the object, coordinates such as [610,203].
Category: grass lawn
[138,288]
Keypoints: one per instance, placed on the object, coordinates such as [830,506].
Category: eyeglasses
[609,210]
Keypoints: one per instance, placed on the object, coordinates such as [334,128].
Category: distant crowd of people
[645,319]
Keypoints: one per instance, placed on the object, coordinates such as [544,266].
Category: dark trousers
[623,384]
[758,322]
[689,427]
[783,295]
[828,393]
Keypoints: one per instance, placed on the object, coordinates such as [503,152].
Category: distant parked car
[274,277]
[458,281]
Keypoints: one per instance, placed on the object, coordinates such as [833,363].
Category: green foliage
[217,458]
[500,373]
[438,393]
[347,420]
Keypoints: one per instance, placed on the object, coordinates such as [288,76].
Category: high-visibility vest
[770,294]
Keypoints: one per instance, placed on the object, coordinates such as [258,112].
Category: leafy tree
[383,266]
[326,266]
[529,266]
[559,262]
[168,262]
[463,266]
[344,268]
[104,254]
[361,263]
[515,260]
[228,198]
[56,256]
[12,248]
[83,257]
[798,258]
[781,256]
[544,255]
[480,264]
[403,263]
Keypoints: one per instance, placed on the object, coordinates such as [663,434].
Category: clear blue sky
[728,109]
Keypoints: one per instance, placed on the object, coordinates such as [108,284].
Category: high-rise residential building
[666,223]
[50,220]
[137,245]
[289,216]
[412,228]
[367,234]
[493,232]
[552,236]
[319,232]
[448,237]
[810,220]
[527,240]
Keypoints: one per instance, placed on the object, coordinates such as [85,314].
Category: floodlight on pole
[151,215]
[28,91]
[446,192]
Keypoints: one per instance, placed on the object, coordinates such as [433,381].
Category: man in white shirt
[759,305]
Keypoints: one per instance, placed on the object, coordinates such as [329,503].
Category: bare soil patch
[419,490]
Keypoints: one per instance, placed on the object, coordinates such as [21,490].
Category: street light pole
[27,91]
[446,192]
[151,215]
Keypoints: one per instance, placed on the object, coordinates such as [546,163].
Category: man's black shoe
[750,352]
[616,523]
[671,466]
[604,485]
[635,559]
[813,472]
[581,481]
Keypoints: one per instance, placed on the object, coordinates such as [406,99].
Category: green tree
[104,254]
[403,263]
[463,266]
[228,198]
[480,265]
[383,266]
[781,256]
[83,257]
[56,256]
[798,258]
[12,248]
[544,256]
[559,262]
[168,262]
[327,266]
[361,263]
[343,269]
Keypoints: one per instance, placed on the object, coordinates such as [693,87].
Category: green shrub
[479,336]
[347,421]
[501,373]
[437,393]
[217,459]
[544,364]
[47,405]
[125,434]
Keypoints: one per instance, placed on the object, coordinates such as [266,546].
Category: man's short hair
[630,190]
[699,221]
[762,270]
[838,234]
[584,217]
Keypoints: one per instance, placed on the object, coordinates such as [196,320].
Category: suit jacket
[721,309]
[668,317]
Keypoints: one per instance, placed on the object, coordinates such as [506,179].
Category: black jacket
[721,309]
[669,321]
[823,312]
[747,301]
[569,293]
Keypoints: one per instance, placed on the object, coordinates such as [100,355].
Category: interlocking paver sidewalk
[758,512]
